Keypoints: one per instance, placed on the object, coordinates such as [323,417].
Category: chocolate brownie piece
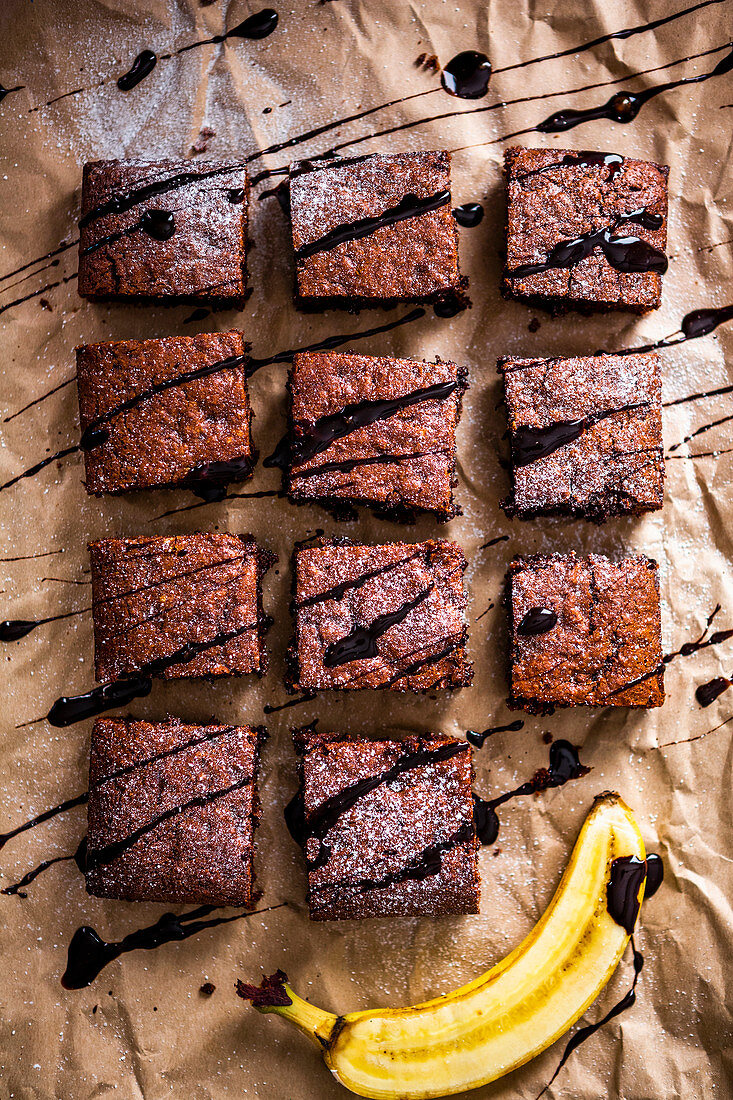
[386,826]
[376,431]
[166,230]
[585,230]
[585,631]
[172,812]
[586,435]
[178,606]
[374,229]
[387,616]
[165,412]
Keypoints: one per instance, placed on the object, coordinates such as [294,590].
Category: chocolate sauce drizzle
[39,819]
[625,254]
[141,67]
[564,765]
[538,620]
[75,708]
[318,436]
[474,737]
[338,591]
[624,106]
[469,215]
[6,91]
[627,873]
[613,161]
[585,1032]
[467,75]
[319,823]
[12,630]
[79,858]
[361,643]
[408,207]
[89,953]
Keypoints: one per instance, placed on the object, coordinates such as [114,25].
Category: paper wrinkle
[331,60]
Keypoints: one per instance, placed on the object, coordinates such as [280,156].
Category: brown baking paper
[143,1029]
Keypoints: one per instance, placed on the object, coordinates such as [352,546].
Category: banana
[507,1015]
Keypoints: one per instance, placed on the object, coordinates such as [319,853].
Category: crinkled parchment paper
[143,1029]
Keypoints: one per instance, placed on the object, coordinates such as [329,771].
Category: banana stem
[314,1022]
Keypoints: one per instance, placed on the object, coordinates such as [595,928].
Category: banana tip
[270,993]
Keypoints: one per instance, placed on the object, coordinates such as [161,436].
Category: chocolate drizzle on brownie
[538,620]
[625,254]
[99,856]
[310,439]
[530,444]
[158,224]
[409,207]
[316,826]
[75,708]
[361,643]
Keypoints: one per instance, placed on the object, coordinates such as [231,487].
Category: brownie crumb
[534,324]
[201,143]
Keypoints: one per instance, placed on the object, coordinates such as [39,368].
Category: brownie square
[165,412]
[193,597]
[374,229]
[166,230]
[585,631]
[172,812]
[585,230]
[389,616]
[387,826]
[586,435]
[375,431]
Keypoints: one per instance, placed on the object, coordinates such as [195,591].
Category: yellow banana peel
[504,1017]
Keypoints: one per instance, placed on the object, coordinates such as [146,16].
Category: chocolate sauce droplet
[448,307]
[467,75]
[538,620]
[622,892]
[75,708]
[654,875]
[474,737]
[256,26]
[11,630]
[141,67]
[235,194]
[469,215]
[702,321]
[706,694]
[159,224]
